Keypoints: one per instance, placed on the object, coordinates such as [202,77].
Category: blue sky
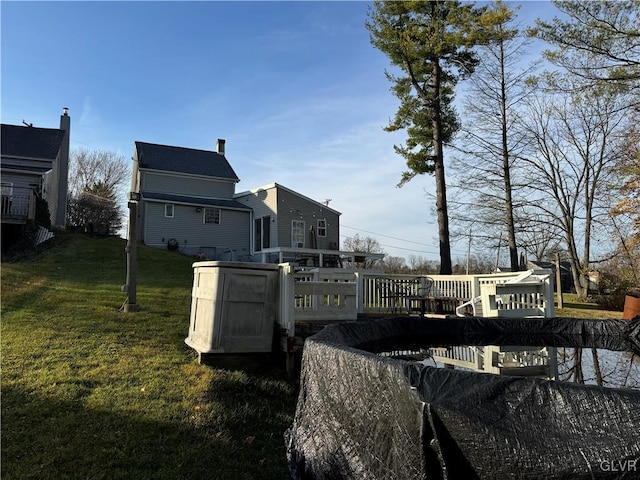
[295,88]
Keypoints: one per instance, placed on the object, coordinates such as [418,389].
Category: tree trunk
[581,289]
[446,267]
[574,257]
[511,230]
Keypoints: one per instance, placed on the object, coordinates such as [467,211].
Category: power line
[407,249]
[387,236]
[400,239]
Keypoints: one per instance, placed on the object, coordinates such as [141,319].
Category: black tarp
[364,416]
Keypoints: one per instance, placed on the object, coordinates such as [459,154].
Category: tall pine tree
[430,43]
[596,41]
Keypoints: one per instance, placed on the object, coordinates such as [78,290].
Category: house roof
[195,201]
[564,266]
[282,187]
[30,142]
[184,160]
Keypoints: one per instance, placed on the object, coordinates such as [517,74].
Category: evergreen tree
[597,40]
[97,180]
[430,43]
[95,210]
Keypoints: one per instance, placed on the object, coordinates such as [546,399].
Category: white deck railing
[325,294]
[532,289]
[320,294]
[521,361]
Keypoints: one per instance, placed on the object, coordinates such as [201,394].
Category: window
[297,233]
[7,188]
[261,233]
[7,192]
[322,227]
[211,215]
[168,210]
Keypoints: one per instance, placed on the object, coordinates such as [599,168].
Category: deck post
[287,299]
[131,304]
[559,281]
[359,292]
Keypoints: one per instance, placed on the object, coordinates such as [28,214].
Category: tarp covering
[364,416]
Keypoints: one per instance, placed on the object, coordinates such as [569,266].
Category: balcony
[18,206]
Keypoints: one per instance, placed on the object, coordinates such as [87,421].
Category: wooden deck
[310,299]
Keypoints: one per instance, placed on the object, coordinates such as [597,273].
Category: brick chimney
[62,173]
[220,146]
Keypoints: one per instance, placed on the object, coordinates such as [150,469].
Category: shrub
[614,302]
[612,290]
[43,215]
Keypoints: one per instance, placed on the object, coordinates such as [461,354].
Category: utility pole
[559,281]
[498,254]
[131,304]
[468,251]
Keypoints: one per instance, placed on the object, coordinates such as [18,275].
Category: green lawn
[88,392]
[575,308]
[91,393]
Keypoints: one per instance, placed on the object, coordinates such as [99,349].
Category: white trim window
[211,216]
[169,209]
[322,227]
[297,233]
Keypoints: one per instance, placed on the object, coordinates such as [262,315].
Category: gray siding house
[187,202]
[286,224]
[35,162]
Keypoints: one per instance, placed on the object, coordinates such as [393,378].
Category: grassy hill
[89,392]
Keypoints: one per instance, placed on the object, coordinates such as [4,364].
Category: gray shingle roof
[184,160]
[197,201]
[30,142]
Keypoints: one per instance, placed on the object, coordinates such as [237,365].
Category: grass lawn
[91,393]
[88,392]
[575,308]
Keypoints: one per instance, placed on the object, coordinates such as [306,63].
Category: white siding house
[188,203]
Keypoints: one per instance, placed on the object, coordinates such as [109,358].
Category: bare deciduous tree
[421,265]
[96,182]
[577,141]
[90,167]
[395,265]
[486,199]
[360,244]
[539,236]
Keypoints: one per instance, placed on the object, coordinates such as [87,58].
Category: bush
[612,292]
[94,211]
[43,215]
[19,240]
[614,302]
